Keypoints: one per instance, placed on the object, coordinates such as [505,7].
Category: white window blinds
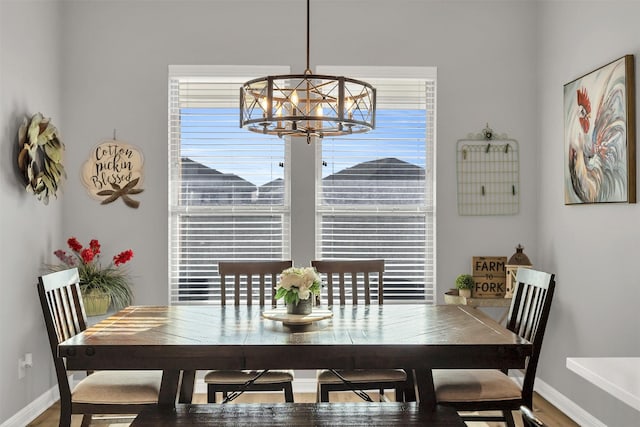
[228,199]
[374,195]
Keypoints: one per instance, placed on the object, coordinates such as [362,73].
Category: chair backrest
[528,419]
[359,274]
[245,274]
[528,317]
[64,316]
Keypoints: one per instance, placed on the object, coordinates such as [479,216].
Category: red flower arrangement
[93,277]
[87,255]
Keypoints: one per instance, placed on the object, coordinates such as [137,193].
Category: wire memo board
[488,177]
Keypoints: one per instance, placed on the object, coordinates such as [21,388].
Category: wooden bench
[297,414]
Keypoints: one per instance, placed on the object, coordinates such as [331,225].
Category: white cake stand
[281,315]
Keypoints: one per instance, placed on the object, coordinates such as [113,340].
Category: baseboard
[33,409]
[566,405]
[305,385]
[563,403]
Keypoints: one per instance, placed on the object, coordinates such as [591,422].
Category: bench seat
[297,414]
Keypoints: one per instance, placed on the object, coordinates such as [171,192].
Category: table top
[618,376]
[416,336]
[182,339]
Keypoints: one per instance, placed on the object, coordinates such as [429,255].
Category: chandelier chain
[308,70]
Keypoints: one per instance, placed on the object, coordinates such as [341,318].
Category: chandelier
[307,104]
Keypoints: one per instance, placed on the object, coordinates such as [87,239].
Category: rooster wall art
[599,135]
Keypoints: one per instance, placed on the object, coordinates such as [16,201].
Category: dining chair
[100,392]
[492,389]
[363,280]
[529,419]
[242,276]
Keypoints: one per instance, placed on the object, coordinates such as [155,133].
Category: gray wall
[111,59]
[115,76]
[593,249]
[30,78]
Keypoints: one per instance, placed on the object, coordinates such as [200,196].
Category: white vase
[464,293]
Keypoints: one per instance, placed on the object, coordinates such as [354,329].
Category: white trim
[305,385]
[563,403]
[240,72]
[199,386]
[566,405]
[33,409]
[380,72]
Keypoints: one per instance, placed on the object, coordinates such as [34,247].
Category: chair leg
[324,394]
[65,414]
[211,394]
[508,418]
[288,392]
[399,394]
[86,420]
[186,386]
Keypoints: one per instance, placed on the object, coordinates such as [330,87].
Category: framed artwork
[599,135]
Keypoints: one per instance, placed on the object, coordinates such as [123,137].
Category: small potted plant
[464,284]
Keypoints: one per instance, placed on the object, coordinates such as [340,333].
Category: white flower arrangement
[298,284]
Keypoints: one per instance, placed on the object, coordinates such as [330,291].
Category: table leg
[169,387]
[186,386]
[426,390]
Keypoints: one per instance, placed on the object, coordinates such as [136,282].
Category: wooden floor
[543,410]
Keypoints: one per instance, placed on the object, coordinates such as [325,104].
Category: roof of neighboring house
[386,168]
[379,169]
[271,185]
[192,170]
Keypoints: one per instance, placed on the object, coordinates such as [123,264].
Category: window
[227,194]
[230,189]
[375,190]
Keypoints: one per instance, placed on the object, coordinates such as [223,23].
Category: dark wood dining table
[182,339]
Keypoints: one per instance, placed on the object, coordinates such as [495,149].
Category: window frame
[177,207]
[303,235]
[368,73]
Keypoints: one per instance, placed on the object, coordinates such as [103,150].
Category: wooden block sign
[490,276]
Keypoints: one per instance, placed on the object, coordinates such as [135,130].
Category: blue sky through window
[213,137]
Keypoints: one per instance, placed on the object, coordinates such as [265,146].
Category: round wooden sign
[114,170]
